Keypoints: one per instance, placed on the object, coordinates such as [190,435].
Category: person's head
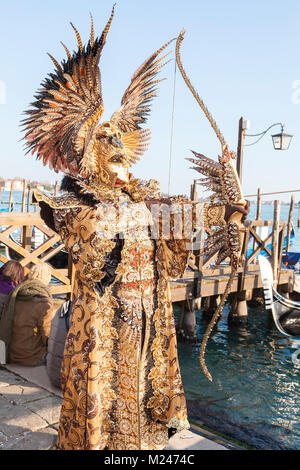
[117,165]
[40,272]
[110,156]
[13,271]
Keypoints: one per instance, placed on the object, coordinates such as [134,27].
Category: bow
[221,178]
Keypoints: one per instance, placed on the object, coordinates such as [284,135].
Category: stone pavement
[29,415]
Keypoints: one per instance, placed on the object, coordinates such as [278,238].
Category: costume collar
[76,192]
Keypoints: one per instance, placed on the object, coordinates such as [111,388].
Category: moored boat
[285,312]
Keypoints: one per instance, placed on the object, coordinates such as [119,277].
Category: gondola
[286,312]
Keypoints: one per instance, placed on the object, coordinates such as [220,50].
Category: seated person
[26,319]
[11,275]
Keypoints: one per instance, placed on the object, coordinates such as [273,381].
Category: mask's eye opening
[116,159]
[101,136]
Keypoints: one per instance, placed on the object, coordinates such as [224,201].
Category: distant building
[17,184]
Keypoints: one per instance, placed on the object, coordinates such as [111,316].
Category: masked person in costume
[120,374]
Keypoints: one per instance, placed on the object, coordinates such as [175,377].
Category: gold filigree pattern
[214,214]
[119,392]
[100,399]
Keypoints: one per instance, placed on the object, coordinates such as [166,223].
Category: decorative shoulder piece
[63,201]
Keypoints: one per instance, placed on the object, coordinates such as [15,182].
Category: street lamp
[281,141]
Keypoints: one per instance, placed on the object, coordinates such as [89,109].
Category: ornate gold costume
[120,376]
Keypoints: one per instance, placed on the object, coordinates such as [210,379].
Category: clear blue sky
[242,57]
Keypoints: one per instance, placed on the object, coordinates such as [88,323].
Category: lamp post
[281,141]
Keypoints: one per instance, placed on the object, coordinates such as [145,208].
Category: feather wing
[68,106]
[136,102]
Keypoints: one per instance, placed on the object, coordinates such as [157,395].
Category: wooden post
[258,212]
[10,195]
[24,195]
[275,237]
[210,305]
[56,188]
[238,314]
[180,319]
[28,198]
[282,227]
[188,326]
[240,149]
[194,195]
[290,221]
[26,237]
[258,204]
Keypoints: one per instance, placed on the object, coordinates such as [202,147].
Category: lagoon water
[254,396]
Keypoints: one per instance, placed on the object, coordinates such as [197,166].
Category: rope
[277,192]
[172,127]
[212,323]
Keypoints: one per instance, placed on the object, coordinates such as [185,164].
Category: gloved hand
[231,208]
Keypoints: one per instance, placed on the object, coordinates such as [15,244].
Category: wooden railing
[28,255]
[201,268]
[275,237]
[205,279]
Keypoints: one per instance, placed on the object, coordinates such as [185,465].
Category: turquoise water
[255,388]
[16,198]
[254,396]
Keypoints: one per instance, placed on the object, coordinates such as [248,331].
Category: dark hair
[14,271]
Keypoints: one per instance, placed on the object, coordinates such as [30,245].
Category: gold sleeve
[185,220]
[78,228]
[214,214]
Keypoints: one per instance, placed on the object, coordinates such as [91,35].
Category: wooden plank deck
[210,285]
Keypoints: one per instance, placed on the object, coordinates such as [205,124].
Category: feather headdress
[63,125]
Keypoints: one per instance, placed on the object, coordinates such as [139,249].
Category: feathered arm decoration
[221,178]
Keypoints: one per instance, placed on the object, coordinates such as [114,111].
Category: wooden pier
[203,282]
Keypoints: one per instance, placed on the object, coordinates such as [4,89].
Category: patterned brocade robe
[120,375]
